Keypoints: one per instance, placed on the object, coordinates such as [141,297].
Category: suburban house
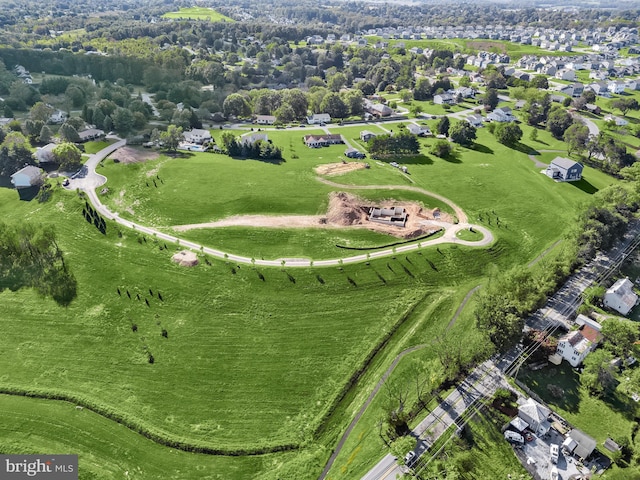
[26,177]
[592,108]
[265,119]
[380,110]
[616,86]
[197,135]
[444,99]
[318,118]
[502,114]
[620,122]
[564,170]
[316,141]
[45,154]
[577,344]
[535,415]
[90,134]
[418,130]
[353,153]
[621,297]
[253,138]
[475,120]
[578,89]
[566,74]
[579,443]
[57,117]
[366,135]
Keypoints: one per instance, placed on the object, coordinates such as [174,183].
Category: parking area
[535,456]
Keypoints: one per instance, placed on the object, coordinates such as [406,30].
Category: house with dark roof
[564,170]
[90,134]
[585,445]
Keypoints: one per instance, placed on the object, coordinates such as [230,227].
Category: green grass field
[255,359]
[199,13]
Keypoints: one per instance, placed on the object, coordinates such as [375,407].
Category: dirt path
[539,257]
[381,382]
[462,217]
[463,304]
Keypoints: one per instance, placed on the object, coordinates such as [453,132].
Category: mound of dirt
[133,155]
[185,258]
[339,168]
[345,209]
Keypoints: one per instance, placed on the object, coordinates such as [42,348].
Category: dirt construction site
[345,210]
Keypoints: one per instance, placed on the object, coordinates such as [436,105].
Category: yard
[611,416]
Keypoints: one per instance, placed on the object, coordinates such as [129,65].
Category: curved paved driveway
[88,180]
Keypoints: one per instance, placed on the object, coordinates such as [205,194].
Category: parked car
[408,458]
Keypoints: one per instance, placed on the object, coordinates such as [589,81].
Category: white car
[408,458]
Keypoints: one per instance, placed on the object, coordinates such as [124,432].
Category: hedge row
[146,431]
[395,244]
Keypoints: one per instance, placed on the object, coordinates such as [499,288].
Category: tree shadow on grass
[453,157]
[563,377]
[410,160]
[620,402]
[524,148]
[478,147]
[585,186]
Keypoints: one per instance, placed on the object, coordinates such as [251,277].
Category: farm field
[199,13]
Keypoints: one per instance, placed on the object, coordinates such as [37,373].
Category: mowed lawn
[497,186]
[199,13]
[105,449]
[247,363]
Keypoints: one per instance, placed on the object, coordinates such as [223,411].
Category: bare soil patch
[339,168]
[133,155]
[487,46]
[185,258]
[345,210]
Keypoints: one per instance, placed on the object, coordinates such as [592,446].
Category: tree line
[31,258]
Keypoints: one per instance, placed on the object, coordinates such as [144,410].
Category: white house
[318,118]
[564,170]
[45,154]
[502,114]
[252,138]
[26,177]
[536,415]
[265,119]
[621,297]
[577,344]
[197,135]
[616,86]
[58,117]
[418,130]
